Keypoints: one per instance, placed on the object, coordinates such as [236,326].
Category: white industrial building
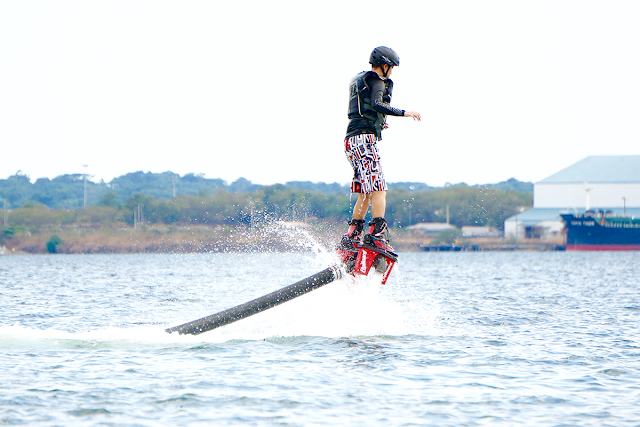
[598,183]
[431,228]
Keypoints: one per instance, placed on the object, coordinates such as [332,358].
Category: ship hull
[593,233]
[582,247]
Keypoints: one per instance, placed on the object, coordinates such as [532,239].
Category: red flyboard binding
[373,253]
[347,252]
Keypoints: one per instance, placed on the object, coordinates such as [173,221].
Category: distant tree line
[477,205]
[467,205]
[68,191]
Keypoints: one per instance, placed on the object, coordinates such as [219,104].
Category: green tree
[16,189]
[109,199]
[6,234]
[53,244]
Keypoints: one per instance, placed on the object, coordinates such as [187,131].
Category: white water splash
[344,308]
[347,307]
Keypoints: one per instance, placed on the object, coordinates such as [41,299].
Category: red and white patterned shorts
[362,153]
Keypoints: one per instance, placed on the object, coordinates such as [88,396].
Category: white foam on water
[335,310]
[17,336]
[344,308]
[348,307]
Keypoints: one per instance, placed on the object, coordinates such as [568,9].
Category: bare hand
[412,114]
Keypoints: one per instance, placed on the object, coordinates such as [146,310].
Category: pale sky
[258,89]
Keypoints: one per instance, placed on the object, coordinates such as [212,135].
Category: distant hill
[318,187]
[68,191]
[410,186]
[513,184]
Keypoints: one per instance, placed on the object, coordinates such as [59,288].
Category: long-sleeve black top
[380,102]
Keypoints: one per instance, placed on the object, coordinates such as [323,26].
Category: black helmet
[384,55]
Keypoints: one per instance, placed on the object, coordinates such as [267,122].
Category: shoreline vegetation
[132,215]
[279,236]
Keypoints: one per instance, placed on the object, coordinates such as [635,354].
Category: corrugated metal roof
[599,169]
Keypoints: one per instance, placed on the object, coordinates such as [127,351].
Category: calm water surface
[454,339]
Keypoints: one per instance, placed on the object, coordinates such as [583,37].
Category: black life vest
[360,100]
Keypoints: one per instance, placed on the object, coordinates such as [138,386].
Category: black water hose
[259,304]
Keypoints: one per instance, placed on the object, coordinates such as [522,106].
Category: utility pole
[138,216]
[85,186]
[174,179]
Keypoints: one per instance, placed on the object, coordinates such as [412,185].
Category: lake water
[454,339]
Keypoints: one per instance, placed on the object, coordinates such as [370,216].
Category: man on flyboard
[369,104]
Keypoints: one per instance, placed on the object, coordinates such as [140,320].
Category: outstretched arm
[413,114]
[378,104]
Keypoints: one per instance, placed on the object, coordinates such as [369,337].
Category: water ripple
[542,339]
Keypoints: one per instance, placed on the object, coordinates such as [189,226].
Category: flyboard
[357,260]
